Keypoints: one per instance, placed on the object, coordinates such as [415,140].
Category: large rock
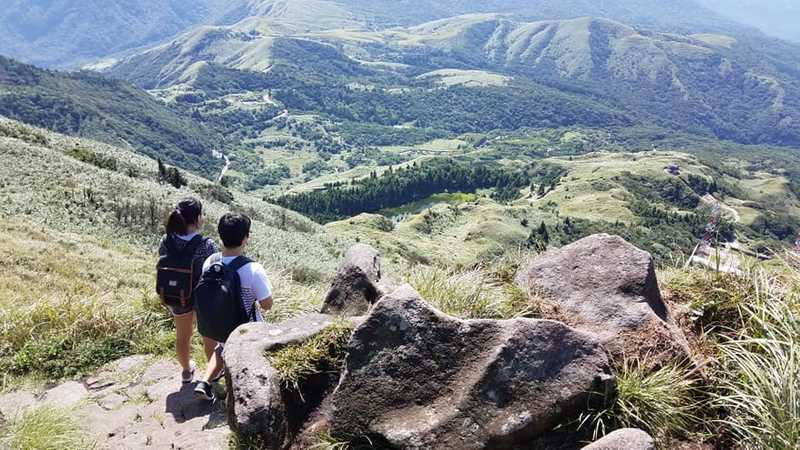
[260,406]
[416,378]
[605,285]
[358,283]
[624,439]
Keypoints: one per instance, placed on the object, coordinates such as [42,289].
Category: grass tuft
[472,294]
[663,402]
[714,299]
[321,352]
[46,428]
[461,294]
[759,381]
[326,441]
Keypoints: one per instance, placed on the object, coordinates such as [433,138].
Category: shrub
[93,158]
[714,299]
[23,133]
[475,294]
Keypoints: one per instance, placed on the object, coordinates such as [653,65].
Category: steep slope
[85,104]
[49,182]
[82,219]
[253,45]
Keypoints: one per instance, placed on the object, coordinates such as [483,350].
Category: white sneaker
[187,375]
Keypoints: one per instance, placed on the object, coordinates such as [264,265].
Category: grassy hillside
[553,201]
[92,232]
[87,105]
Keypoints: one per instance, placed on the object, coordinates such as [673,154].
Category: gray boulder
[605,285]
[624,439]
[260,406]
[358,283]
[416,378]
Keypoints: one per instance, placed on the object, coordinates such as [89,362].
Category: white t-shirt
[255,283]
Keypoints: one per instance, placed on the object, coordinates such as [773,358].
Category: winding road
[224,168]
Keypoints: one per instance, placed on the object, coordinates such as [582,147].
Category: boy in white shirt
[234,231]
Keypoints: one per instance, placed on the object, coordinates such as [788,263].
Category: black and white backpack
[218,299]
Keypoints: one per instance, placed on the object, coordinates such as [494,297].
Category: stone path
[136,402]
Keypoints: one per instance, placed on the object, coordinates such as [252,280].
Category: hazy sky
[779,18]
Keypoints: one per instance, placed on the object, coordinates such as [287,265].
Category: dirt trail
[136,402]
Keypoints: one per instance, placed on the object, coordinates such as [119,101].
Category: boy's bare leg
[215,365]
[209,345]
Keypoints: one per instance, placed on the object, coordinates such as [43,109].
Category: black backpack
[218,299]
[178,272]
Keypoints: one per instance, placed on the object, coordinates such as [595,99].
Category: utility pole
[797,243]
[703,247]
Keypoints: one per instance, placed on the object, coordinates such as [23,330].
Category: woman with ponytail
[183,237]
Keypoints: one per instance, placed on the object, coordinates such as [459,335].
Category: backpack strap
[239,262]
[235,265]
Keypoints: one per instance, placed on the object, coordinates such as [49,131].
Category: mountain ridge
[712,83]
[68,34]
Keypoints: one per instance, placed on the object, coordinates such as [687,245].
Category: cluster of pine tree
[171,175]
[397,187]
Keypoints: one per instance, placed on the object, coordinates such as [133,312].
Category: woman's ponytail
[186,213]
[176,224]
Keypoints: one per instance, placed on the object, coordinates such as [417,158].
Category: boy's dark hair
[233,228]
[187,212]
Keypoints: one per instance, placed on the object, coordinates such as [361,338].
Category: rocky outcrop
[358,283]
[416,378]
[260,406]
[605,285]
[624,439]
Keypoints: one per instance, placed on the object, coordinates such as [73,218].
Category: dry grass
[665,402]
[485,292]
[46,428]
[759,378]
[72,303]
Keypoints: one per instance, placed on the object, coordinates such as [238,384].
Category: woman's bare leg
[184,325]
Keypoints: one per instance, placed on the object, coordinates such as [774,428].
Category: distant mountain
[69,33]
[778,18]
[704,83]
[88,105]
[64,33]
